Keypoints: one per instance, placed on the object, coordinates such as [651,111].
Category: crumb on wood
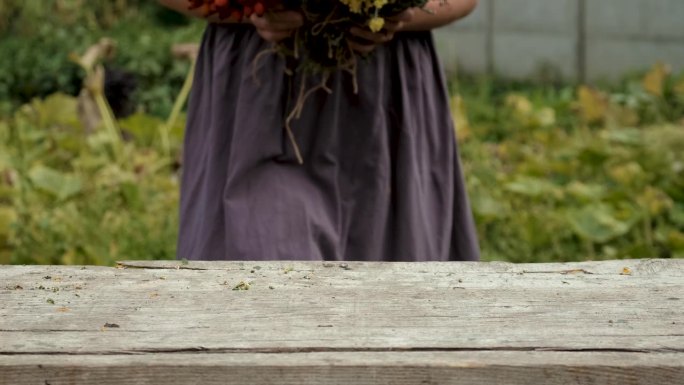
[243,285]
[111,325]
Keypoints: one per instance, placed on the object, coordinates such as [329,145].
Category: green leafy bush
[554,173]
[36,60]
[561,174]
[67,198]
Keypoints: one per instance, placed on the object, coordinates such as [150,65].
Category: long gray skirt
[381,179]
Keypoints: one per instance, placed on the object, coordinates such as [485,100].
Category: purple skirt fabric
[381,179]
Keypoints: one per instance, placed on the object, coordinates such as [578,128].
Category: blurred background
[567,40]
[570,117]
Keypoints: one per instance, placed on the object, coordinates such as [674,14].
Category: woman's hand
[364,40]
[278,25]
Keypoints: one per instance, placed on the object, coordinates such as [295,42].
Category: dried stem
[298,108]
[257,58]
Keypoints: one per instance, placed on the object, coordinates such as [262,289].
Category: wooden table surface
[613,322]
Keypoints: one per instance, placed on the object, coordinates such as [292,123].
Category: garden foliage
[575,173]
[38,37]
[554,173]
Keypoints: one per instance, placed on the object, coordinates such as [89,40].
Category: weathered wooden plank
[673,267]
[368,307]
[387,368]
[336,311]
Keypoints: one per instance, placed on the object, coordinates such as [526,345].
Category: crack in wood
[146,267]
[564,272]
[204,350]
[41,330]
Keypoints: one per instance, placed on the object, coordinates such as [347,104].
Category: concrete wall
[565,39]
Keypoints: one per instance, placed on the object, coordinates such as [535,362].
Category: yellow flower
[375,24]
[354,5]
[360,6]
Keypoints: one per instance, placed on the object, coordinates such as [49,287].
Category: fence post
[581,41]
[489,51]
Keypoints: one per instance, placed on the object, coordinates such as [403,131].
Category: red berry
[236,15]
[259,9]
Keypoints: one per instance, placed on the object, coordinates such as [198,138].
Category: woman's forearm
[182,6]
[440,13]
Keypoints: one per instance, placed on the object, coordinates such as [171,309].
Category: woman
[381,179]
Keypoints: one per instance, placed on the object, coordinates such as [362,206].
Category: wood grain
[406,368]
[367,323]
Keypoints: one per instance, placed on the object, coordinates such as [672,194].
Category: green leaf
[487,207]
[628,136]
[594,155]
[131,194]
[112,175]
[8,216]
[145,128]
[675,240]
[531,186]
[587,192]
[677,214]
[58,110]
[61,186]
[597,223]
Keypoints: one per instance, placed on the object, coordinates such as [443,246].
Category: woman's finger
[374,37]
[361,48]
[281,21]
[273,36]
[393,26]
[276,26]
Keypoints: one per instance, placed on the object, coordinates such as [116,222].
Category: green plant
[36,59]
[76,197]
[65,197]
[554,172]
[575,173]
